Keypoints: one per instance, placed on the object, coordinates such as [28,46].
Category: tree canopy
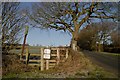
[71,17]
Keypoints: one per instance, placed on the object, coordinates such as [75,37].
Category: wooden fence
[57,55]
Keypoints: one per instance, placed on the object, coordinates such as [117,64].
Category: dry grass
[76,62]
[77,65]
[12,64]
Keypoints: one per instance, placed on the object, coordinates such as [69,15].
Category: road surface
[108,62]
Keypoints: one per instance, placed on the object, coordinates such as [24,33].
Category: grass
[101,73]
[31,74]
[36,50]
[113,54]
[94,74]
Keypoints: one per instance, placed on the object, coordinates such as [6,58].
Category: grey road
[108,62]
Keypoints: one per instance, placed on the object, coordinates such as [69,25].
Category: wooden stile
[27,55]
[58,56]
[42,59]
[35,59]
[47,64]
[66,53]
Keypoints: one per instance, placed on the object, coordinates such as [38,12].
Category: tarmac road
[110,63]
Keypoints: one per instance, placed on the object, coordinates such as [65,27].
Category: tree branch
[104,17]
[57,27]
[66,26]
[90,11]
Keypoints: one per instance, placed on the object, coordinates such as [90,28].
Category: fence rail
[57,56]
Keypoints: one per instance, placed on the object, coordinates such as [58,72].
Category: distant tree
[70,17]
[37,45]
[95,36]
[115,36]
[12,23]
[87,37]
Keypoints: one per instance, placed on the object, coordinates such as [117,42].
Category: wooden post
[58,56]
[66,53]
[47,64]
[42,59]
[27,55]
[24,42]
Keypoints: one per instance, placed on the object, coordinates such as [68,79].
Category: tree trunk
[74,45]
[74,40]
[100,47]
[75,36]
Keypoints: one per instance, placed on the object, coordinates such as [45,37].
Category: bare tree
[12,23]
[70,17]
[115,37]
[96,36]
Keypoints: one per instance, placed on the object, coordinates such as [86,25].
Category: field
[31,50]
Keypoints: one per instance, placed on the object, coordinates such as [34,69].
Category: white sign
[47,51]
[46,56]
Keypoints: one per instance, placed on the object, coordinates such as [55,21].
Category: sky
[46,37]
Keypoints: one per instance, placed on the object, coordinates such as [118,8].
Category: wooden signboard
[47,53]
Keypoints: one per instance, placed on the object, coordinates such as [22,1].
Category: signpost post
[25,36]
[47,56]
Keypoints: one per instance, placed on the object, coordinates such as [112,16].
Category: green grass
[113,54]
[31,50]
[30,75]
